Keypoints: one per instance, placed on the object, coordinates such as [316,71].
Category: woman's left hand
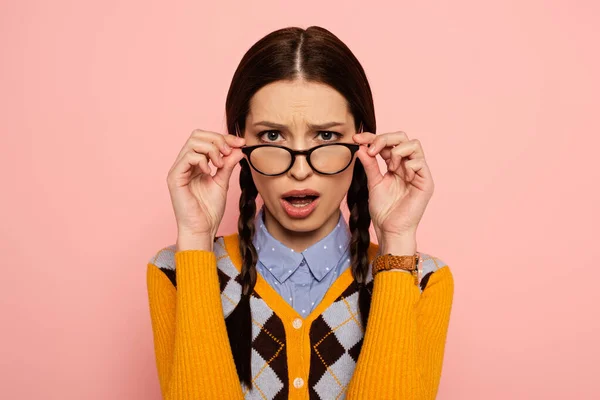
[398,198]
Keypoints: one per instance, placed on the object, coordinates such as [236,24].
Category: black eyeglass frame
[351,146]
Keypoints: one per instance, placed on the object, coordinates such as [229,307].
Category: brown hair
[315,55]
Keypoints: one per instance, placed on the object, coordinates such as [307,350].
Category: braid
[239,322]
[359,223]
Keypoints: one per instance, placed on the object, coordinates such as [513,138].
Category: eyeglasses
[326,159]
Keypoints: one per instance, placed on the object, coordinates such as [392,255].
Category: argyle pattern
[336,336]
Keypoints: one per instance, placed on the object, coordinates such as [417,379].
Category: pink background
[97,99]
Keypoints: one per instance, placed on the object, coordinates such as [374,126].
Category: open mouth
[300,201]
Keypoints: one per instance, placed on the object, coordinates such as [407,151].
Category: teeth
[303,195]
[299,201]
[300,205]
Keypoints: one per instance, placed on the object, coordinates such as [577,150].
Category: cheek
[259,181]
[266,187]
[338,186]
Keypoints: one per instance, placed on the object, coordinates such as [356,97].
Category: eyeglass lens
[275,160]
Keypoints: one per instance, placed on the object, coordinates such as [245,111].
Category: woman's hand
[199,198]
[398,198]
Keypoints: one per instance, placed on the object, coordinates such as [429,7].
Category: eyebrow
[315,127]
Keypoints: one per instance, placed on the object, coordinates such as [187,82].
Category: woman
[279,309]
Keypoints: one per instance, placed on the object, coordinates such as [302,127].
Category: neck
[299,240]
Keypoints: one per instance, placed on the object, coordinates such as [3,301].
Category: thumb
[370,165]
[229,162]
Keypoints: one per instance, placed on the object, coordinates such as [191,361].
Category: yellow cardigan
[401,356]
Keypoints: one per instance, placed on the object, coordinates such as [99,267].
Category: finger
[414,168]
[364,137]
[223,174]
[368,138]
[223,141]
[387,140]
[203,163]
[182,170]
[234,141]
[209,149]
[410,150]
[370,165]
[198,134]
[386,153]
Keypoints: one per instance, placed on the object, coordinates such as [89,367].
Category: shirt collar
[321,258]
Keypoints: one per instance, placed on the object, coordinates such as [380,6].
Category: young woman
[298,304]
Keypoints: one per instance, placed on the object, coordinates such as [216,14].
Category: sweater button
[298,383]
[297,323]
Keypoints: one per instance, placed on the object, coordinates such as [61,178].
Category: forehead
[298,101]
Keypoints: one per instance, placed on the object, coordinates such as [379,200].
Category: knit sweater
[326,355]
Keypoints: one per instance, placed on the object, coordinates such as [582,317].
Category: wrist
[194,242]
[399,245]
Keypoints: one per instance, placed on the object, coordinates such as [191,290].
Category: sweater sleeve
[193,356]
[403,348]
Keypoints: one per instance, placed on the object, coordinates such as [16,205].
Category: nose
[300,169]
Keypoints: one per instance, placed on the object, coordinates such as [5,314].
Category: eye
[338,135]
[269,134]
[272,135]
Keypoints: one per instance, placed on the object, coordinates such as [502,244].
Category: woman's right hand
[198,198]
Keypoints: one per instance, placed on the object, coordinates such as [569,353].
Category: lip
[300,192]
[298,213]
